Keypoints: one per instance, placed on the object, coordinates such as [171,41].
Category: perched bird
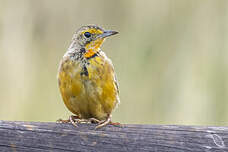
[86,78]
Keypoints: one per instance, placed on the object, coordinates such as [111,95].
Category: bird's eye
[87,34]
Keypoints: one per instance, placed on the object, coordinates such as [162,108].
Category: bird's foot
[108,122]
[72,119]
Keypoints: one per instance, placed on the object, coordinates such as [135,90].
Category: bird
[86,78]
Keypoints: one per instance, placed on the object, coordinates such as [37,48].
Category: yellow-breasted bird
[86,78]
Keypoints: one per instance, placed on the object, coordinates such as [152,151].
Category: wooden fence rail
[43,136]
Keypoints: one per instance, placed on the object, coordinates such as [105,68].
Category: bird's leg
[90,120]
[75,119]
[72,120]
[94,120]
[104,123]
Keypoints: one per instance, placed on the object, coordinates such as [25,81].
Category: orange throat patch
[89,53]
[92,48]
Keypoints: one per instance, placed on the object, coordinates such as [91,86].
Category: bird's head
[91,38]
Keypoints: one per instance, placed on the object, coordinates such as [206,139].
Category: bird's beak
[107,33]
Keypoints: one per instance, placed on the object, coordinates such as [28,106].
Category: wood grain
[49,136]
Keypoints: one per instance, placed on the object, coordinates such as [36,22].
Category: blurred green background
[171,58]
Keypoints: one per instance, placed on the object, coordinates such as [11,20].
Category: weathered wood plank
[40,136]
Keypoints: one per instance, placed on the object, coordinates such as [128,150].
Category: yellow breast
[88,90]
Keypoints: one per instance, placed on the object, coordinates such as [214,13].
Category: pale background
[171,58]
